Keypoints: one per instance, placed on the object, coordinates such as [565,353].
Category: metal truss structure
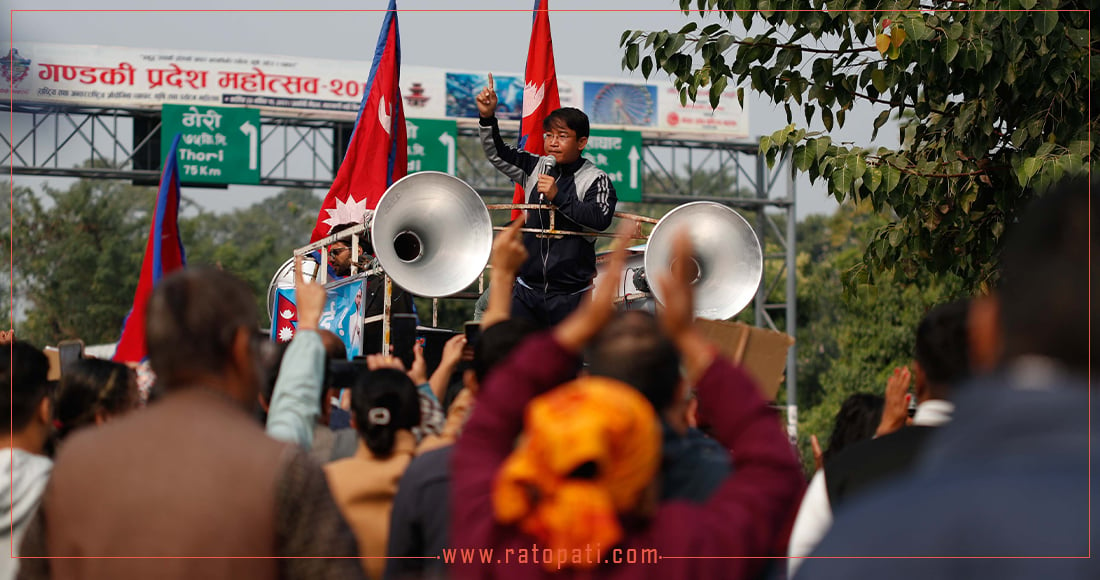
[117,143]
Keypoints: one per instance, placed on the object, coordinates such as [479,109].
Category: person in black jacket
[560,268]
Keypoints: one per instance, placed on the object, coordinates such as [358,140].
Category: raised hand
[507,257]
[819,455]
[602,305]
[678,312]
[509,252]
[452,355]
[452,351]
[418,372]
[548,186]
[384,361]
[487,100]
[896,409]
[310,298]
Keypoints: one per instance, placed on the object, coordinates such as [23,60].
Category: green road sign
[432,144]
[217,144]
[619,155]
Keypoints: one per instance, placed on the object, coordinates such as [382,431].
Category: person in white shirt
[940,361]
[25,368]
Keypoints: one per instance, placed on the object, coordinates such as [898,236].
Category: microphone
[547,168]
[550,164]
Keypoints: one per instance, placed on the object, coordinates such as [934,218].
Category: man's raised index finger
[491,82]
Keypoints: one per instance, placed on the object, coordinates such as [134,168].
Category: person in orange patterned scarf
[589,453]
[579,493]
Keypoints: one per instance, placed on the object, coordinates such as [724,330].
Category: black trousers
[543,309]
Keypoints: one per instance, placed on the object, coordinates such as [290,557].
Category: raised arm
[749,511]
[537,365]
[508,255]
[895,412]
[295,402]
[512,162]
[448,362]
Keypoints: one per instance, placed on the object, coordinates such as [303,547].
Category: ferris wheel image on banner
[620,104]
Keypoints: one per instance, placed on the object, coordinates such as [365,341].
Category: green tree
[850,338]
[252,242]
[993,107]
[76,254]
[78,251]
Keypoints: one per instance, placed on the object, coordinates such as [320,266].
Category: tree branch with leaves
[991,99]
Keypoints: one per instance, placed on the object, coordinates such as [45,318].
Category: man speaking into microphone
[558,269]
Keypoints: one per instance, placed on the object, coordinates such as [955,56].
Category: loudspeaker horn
[284,278]
[727,260]
[432,234]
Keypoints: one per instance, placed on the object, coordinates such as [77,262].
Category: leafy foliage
[993,107]
[849,339]
[76,257]
[78,251]
[252,242]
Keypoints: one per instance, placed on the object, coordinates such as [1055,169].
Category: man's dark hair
[574,119]
[497,342]
[365,246]
[1045,278]
[24,368]
[191,321]
[388,389]
[90,386]
[632,349]
[271,359]
[335,350]
[941,346]
[857,419]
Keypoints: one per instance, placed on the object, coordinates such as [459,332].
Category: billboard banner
[343,314]
[142,78]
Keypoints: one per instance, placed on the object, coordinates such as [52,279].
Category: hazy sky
[466,34]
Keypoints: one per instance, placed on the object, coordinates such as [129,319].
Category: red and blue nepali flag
[540,89]
[163,255]
[285,317]
[377,154]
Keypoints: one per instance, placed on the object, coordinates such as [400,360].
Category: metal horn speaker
[432,234]
[727,259]
[284,278]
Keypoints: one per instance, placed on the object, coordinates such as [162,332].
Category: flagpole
[377,152]
[386,303]
[540,89]
[164,254]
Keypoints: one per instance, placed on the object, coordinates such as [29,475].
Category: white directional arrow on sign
[253,144]
[448,141]
[634,157]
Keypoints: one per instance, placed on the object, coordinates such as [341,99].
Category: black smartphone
[473,333]
[403,337]
[68,352]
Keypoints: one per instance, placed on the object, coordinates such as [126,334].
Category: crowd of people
[571,448]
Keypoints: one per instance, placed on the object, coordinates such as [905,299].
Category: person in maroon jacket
[744,517]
